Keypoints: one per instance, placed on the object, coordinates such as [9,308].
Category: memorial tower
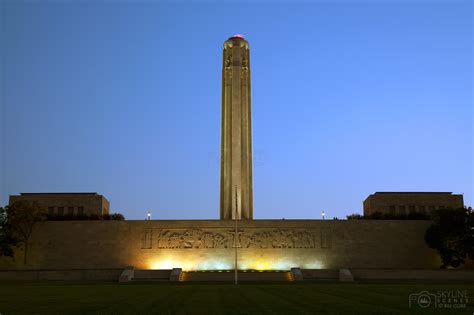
[236,200]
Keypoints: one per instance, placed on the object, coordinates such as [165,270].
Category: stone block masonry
[208,245]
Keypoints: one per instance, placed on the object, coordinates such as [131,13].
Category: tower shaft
[236,200]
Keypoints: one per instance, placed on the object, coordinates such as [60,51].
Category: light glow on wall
[227,263]
[312,265]
[171,262]
[166,264]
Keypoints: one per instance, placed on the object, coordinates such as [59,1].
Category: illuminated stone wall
[209,244]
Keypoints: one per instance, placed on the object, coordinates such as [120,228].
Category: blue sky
[124,98]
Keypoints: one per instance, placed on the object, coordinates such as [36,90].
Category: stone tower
[236,132]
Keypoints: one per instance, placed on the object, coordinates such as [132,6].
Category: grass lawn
[200,298]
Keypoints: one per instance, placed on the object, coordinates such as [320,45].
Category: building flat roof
[61,193]
[413,192]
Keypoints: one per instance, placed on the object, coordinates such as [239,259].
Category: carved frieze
[228,64]
[245,61]
[247,238]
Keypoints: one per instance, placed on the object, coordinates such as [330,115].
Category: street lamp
[322,213]
[148,216]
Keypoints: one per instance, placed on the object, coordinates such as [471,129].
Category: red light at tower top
[239,36]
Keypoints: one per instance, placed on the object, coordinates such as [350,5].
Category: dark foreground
[186,298]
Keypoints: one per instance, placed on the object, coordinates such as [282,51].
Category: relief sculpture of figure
[174,241]
[282,239]
[254,241]
[307,239]
[297,241]
[236,241]
[208,240]
[303,239]
[220,241]
[288,241]
[244,240]
[187,239]
[266,239]
[228,62]
[162,241]
[197,239]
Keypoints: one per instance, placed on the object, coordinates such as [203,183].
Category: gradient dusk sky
[123,98]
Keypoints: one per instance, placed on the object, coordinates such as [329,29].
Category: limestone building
[102,249]
[70,204]
[236,132]
[410,202]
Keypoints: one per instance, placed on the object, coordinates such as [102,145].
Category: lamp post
[148,216]
[322,213]
[235,237]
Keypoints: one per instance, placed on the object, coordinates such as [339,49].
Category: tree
[19,220]
[7,240]
[354,216]
[452,235]
[114,216]
[389,216]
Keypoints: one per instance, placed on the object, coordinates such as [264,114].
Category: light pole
[235,236]
[322,213]
[148,216]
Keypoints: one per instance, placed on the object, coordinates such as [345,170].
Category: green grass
[218,298]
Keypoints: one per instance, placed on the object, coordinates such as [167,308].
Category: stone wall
[208,245]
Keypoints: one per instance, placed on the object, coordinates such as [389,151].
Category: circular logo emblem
[424,300]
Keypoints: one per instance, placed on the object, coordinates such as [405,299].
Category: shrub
[451,234]
[389,216]
[354,216]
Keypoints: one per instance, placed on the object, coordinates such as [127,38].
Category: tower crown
[236,40]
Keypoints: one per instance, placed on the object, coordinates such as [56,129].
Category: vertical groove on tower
[236,137]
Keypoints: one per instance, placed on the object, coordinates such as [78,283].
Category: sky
[123,98]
